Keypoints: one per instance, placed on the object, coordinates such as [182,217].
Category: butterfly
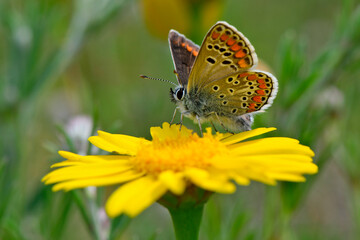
[217,83]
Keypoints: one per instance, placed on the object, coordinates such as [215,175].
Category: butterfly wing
[242,93]
[224,51]
[184,53]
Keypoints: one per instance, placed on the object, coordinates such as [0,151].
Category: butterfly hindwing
[242,93]
[223,52]
[184,53]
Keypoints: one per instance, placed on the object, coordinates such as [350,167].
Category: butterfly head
[178,94]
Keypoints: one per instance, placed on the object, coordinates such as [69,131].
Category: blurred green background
[62,59]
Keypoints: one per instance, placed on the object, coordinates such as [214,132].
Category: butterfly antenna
[159,79]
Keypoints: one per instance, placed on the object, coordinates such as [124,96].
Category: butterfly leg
[217,116]
[212,124]
[181,121]
[172,120]
[198,118]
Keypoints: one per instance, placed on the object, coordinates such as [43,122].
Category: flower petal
[169,132]
[271,145]
[210,182]
[286,162]
[97,181]
[286,177]
[90,158]
[174,181]
[245,135]
[118,143]
[132,198]
[239,179]
[86,171]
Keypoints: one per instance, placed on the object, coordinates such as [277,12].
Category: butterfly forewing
[223,52]
[242,93]
[184,53]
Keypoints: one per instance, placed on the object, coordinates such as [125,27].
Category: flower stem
[187,221]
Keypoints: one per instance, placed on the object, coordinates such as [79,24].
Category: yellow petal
[245,135]
[135,196]
[86,171]
[122,144]
[78,160]
[169,132]
[290,161]
[239,179]
[256,174]
[174,181]
[91,158]
[203,179]
[97,181]
[271,145]
[286,177]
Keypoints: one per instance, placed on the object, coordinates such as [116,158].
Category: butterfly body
[216,81]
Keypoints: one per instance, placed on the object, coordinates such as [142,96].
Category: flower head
[175,160]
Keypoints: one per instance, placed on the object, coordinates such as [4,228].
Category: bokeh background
[68,68]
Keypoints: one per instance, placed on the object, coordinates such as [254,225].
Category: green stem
[187,221]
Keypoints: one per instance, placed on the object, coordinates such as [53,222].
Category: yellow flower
[175,160]
[188,17]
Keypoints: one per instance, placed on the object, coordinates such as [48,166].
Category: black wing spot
[215,87]
[227,54]
[209,46]
[217,47]
[233,67]
[221,95]
[225,102]
[226,62]
[211,60]
[234,110]
[247,60]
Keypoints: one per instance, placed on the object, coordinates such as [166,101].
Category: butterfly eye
[180,93]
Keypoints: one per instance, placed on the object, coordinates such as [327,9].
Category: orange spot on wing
[260,92]
[262,86]
[235,47]
[183,44]
[224,37]
[240,54]
[261,81]
[242,63]
[252,77]
[230,42]
[242,75]
[215,35]
[195,53]
[251,107]
[256,99]
[189,48]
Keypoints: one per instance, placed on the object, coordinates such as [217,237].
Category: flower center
[177,153]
